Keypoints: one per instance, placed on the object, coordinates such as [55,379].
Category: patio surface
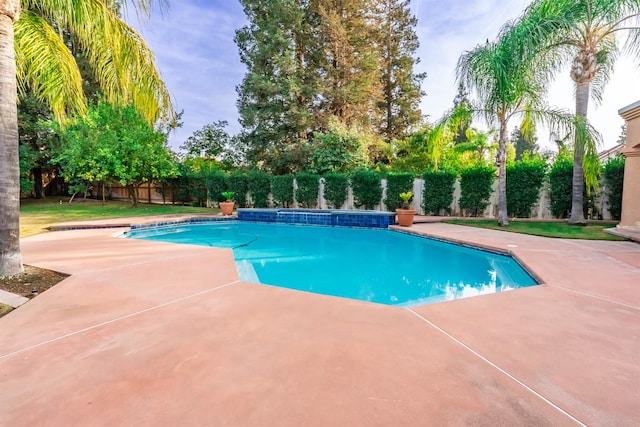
[147,333]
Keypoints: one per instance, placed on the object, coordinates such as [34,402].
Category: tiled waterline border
[330,218]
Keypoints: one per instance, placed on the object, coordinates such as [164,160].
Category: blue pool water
[381,266]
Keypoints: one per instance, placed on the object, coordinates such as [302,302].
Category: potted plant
[227,206]
[405,214]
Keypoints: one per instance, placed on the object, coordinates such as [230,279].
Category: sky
[199,61]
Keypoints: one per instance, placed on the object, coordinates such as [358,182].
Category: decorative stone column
[631,193]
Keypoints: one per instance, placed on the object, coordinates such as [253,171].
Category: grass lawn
[36,215]
[543,228]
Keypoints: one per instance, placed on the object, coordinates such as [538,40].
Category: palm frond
[46,66]
[122,63]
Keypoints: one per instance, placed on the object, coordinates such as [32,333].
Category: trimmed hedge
[259,185]
[560,187]
[437,195]
[475,186]
[282,190]
[614,180]
[216,185]
[307,191]
[397,183]
[335,189]
[198,188]
[237,182]
[367,188]
[524,181]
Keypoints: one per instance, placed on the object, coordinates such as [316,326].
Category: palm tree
[34,55]
[503,89]
[583,32]
[506,87]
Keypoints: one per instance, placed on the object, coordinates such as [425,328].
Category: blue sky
[198,60]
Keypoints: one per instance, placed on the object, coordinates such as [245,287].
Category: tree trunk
[133,192]
[38,187]
[577,189]
[503,217]
[10,257]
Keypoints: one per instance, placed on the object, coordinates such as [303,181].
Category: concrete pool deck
[147,333]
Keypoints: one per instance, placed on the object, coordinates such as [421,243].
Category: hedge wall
[524,181]
[475,186]
[397,183]
[367,188]
[438,191]
[335,189]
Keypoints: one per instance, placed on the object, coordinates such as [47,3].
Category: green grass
[36,215]
[5,309]
[543,228]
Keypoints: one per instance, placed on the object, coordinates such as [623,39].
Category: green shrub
[367,188]
[237,182]
[614,179]
[259,184]
[397,183]
[524,180]
[216,185]
[560,186]
[307,191]
[335,189]
[475,186]
[180,189]
[198,188]
[282,190]
[437,195]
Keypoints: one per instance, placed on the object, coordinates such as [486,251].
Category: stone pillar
[631,151]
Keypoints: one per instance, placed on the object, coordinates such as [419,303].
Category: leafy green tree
[208,142]
[461,100]
[38,143]
[36,57]
[351,87]
[341,149]
[582,33]
[398,44]
[277,47]
[524,142]
[114,143]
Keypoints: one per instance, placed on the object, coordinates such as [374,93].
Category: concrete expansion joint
[117,319]
[495,366]
[587,294]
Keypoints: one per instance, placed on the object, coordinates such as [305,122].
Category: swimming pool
[375,265]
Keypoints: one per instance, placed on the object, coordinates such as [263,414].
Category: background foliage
[335,189]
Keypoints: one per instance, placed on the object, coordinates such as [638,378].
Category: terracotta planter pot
[405,217]
[227,208]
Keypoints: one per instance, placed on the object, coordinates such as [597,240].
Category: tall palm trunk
[577,189]
[10,258]
[503,218]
